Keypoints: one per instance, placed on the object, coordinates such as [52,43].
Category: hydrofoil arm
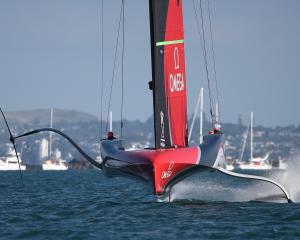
[246,176]
[70,140]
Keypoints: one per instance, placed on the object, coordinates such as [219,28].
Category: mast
[251,137]
[168,73]
[152,82]
[50,133]
[194,115]
[244,142]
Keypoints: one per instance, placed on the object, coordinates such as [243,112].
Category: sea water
[87,205]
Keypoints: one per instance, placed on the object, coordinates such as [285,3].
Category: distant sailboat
[55,161]
[254,163]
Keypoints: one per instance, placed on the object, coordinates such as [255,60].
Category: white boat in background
[55,162]
[51,161]
[254,163]
[54,166]
[9,162]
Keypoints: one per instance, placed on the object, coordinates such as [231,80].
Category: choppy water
[86,205]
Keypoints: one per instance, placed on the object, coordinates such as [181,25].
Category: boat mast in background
[244,143]
[50,133]
[199,102]
[251,137]
[51,160]
[201,116]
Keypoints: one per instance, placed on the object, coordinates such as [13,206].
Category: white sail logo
[168,173]
[176,58]
[176,79]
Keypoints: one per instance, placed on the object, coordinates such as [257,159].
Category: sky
[50,56]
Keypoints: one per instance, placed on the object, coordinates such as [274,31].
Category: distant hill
[42,117]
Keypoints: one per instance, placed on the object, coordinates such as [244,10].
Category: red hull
[160,167]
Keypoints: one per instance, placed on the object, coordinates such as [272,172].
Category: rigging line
[12,139]
[123,47]
[213,56]
[114,67]
[206,62]
[204,55]
[102,70]
[198,29]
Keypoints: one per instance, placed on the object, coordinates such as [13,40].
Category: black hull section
[118,162]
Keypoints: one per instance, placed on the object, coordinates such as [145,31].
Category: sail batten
[168,72]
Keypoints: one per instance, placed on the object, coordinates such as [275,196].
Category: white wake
[215,186]
[290,178]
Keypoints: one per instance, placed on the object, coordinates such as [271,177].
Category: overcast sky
[50,56]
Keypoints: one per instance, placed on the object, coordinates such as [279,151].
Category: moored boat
[9,162]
